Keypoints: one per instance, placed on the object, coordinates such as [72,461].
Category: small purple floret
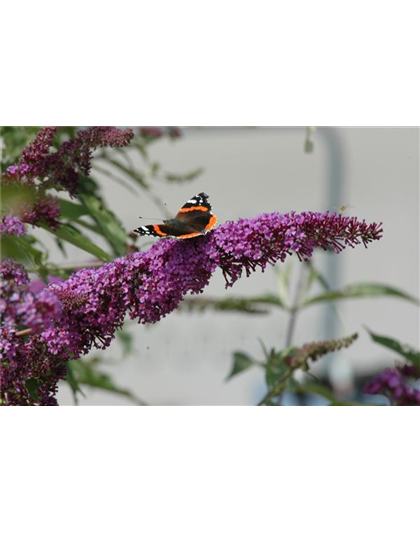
[12,226]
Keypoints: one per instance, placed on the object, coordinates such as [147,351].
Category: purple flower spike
[72,158]
[149,285]
[269,238]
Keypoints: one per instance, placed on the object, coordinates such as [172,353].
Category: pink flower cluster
[149,285]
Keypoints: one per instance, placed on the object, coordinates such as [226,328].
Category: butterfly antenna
[145,218]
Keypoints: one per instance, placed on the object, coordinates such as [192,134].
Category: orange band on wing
[156,228]
[211,223]
[196,208]
[189,235]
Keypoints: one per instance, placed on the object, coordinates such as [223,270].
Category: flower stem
[296,305]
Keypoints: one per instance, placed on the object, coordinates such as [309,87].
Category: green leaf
[276,368]
[90,227]
[71,210]
[314,388]
[406,351]
[131,173]
[88,185]
[61,247]
[73,236]
[314,275]
[126,340]
[117,179]
[73,383]
[264,348]
[241,361]
[22,249]
[107,222]
[269,299]
[179,178]
[310,278]
[37,257]
[12,199]
[361,290]
[9,247]
[252,305]
[32,385]
[283,275]
[87,373]
[15,138]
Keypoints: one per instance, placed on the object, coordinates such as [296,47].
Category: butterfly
[195,218]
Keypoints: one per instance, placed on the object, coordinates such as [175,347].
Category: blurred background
[186,358]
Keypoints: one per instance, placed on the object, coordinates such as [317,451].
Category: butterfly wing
[173,228]
[156,230]
[197,213]
[197,202]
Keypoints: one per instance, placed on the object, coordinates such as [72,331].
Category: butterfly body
[194,219]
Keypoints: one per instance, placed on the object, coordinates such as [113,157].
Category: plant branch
[296,305]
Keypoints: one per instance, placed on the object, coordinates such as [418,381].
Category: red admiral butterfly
[195,218]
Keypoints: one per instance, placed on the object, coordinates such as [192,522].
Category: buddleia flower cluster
[26,361]
[41,168]
[12,226]
[92,303]
[397,384]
